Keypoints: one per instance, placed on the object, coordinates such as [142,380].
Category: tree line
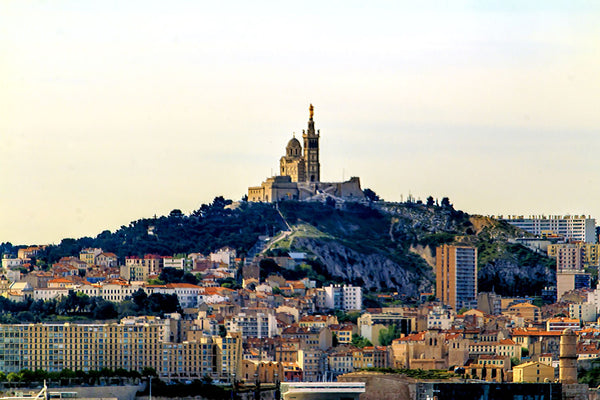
[80,306]
[68,376]
[209,228]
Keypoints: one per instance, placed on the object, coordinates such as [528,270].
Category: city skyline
[115,112]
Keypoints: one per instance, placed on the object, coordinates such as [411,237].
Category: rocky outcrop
[391,246]
[507,277]
[425,252]
[372,271]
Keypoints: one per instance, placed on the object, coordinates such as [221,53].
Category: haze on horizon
[114,111]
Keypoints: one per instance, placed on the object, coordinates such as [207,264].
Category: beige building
[486,372]
[89,255]
[429,350]
[587,253]
[261,371]
[570,280]
[134,344]
[527,311]
[533,371]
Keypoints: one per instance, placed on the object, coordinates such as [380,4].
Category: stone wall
[381,386]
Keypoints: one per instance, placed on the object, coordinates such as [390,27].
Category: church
[300,174]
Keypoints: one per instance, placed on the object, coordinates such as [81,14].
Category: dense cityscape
[276,316]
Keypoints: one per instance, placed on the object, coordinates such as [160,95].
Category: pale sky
[111,111]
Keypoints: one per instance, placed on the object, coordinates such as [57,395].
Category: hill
[380,246]
[391,246]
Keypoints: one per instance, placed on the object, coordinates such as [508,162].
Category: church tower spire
[311,149]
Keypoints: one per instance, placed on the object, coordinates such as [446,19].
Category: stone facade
[300,174]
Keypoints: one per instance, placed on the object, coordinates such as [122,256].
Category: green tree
[12,377]
[26,375]
[360,341]
[371,195]
[386,336]
[140,299]
[149,371]
[102,309]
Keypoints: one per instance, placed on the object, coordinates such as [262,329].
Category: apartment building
[343,297]
[588,254]
[138,269]
[89,255]
[570,280]
[559,324]
[586,312]
[370,357]
[133,344]
[253,323]
[440,318]
[456,275]
[571,227]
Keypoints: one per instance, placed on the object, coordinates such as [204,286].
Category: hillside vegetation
[380,246]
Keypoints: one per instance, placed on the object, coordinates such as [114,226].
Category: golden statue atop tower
[311,110]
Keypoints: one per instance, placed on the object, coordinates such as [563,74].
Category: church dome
[293,143]
[293,148]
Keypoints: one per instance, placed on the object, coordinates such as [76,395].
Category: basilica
[300,174]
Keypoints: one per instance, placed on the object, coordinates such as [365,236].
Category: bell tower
[311,150]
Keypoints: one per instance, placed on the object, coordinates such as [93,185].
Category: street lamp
[277,394]
[232,385]
[256,386]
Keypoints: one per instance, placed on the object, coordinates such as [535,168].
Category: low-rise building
[533,371]
[559,324]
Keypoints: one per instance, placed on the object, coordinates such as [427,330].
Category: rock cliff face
[506,276]
[372,271]
[392,246]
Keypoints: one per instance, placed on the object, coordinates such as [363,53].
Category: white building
[586,312]
[186,293]
[13,275]
[225,255]
[594,298]
[572,227]
[183,263]
[49,293]
[343,297]
[255,324]
[8,262]
[440,318]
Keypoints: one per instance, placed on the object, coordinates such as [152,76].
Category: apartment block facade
[456,275]
[343,297]
[583,254]
[131,345]
[572,227]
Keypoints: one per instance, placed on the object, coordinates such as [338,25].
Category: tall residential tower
[456,275]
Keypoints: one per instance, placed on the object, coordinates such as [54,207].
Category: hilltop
[381,246]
